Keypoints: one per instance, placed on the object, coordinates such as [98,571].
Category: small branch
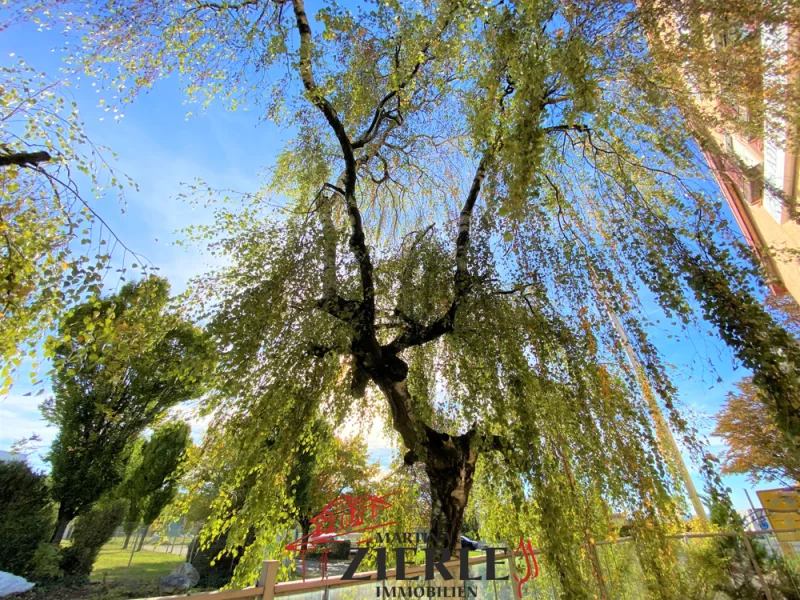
[380,114]
[579,128]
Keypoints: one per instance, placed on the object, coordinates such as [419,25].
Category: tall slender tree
[121,362]
[154,482]
[472,186]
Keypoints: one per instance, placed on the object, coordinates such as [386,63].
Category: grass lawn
[112,579]
[112,564]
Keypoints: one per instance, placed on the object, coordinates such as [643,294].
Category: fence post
[749,549]
[512,571]
[269,574]
[594,559]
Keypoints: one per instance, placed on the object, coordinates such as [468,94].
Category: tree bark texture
[450,466]
[64,518]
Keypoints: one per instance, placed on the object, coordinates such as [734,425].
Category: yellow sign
[783,511]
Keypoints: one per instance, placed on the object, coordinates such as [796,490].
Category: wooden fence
[268,589]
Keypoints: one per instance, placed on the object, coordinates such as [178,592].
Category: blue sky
[160,149]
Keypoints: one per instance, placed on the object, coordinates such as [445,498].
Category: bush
[26,516]
[45,563]
[91,532]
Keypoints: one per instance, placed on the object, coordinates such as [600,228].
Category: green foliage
[43,214]
[92,531]
[45,565]
[326,468]
[121,362]
[579,191]
[742,582]
[26,517]
[154,482]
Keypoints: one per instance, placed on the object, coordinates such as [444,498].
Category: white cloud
[20,418]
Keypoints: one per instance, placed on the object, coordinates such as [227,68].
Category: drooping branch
[381,114]
[417,335]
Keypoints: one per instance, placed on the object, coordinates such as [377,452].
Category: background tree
[154,482]
[92,531]
[755,445]
[326,470]
[122,361]
[26,516]
[471,189]
[131,521]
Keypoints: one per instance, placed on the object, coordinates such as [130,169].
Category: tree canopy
[327,469]
[121,362]
[471,188]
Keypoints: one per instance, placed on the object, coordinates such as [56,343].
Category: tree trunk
[144,535]
[449,461]
[305,527]
[64,518]
[450,466]
[128,535]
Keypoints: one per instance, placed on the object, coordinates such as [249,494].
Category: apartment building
[759,178]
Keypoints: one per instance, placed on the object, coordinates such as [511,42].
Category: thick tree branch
[417,335]
[329,240]
[310,85]
[24,158]
[556,128]
[358,243]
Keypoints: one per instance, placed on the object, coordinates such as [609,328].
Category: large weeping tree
[478,198]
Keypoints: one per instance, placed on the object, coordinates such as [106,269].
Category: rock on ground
[11,584]
[188,570]
[174,584]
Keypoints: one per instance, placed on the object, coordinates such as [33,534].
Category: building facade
[759,179]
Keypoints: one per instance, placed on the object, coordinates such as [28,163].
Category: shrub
[91,532]
[26,516]
[45,563]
